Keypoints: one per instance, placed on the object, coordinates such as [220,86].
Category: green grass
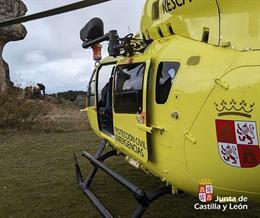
[37,180]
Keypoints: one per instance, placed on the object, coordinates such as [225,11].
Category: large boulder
[80,101]
[9,9]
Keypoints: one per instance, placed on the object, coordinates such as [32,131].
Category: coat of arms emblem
[205,193]
[238,143]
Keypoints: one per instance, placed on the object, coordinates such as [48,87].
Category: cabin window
[166,74]
[128,93]
[91,91]
[155,10]
[104,80]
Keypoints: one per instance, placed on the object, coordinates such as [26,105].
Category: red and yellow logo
[206,192]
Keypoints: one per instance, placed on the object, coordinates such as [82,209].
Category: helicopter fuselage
[186,108]
[189,117]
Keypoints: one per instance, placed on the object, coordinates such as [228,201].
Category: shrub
[18,112]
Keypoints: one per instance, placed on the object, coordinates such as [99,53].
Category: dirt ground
[37,180]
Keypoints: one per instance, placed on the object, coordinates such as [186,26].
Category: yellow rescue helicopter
[179,99]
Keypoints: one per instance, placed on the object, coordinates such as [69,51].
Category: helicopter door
[104,98]
[91,103]
[130,107]
[161,104]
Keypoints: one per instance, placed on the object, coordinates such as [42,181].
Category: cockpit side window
[91,91]
[129,88]
[166,74]
[104,80]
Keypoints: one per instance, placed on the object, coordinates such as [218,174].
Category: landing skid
[144,200]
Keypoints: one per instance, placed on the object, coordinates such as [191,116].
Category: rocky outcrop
[9,9]
[80,101]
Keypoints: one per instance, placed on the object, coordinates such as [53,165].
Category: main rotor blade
[51,12]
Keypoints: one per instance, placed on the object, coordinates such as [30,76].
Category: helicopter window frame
[136,106]
[113,64]
[164,84]
[92,90]
[104,96]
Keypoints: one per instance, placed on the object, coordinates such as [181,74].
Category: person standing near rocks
[41,89]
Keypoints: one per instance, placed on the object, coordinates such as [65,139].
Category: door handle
[158,127]
[145,128]
[150,129]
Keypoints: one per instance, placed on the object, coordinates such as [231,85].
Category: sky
[52,54]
